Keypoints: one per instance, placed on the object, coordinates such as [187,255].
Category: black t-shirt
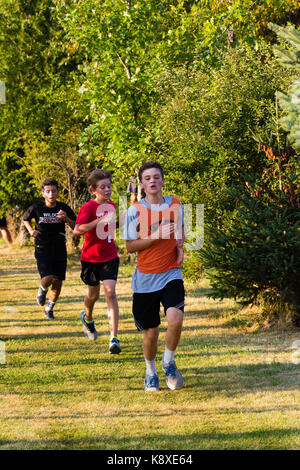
[51,228]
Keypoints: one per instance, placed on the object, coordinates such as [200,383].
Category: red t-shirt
[98,245]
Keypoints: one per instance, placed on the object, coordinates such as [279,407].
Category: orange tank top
[161,256]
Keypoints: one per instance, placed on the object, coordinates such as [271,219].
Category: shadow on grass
[122,413]
[160,441]
[200,313]
[61,320]
[79,360]
[18,271]
[20,285]
[79,298]
[23,337]
[242,379]
[65,334]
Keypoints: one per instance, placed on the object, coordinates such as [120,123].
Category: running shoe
[114,346]
[89,329]
[41,296]
[174,378]
[49,314]
[151,383]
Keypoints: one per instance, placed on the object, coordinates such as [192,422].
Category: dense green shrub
[192,268]
[256,257]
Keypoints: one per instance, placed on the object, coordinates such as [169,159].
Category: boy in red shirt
[99,258]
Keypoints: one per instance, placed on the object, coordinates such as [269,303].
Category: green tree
[39,70]
[240,21]
[124,43]
[208,121]
[90,69]
[23,35]
[256,256]
[128,43]
[290,102]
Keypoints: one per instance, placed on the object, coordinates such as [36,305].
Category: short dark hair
[96,176]
[49,182]
[150,164]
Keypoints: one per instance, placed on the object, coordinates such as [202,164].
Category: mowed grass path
[60,391]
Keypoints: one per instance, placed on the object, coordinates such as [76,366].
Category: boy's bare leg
[173,376]
[46,281]
[150,349]
[55,289]
[112,305]
[175,320]
[6,236]
[150,343]
[55,285]
[89,301]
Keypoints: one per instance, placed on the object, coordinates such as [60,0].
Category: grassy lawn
[60,391]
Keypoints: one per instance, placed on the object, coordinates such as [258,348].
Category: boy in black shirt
[50,241]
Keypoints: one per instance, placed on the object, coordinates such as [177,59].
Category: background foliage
[93,73]
[196,85]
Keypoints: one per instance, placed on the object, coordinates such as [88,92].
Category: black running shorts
[93,273]
[51,260]
[146,306]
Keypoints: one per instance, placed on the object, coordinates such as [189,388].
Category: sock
[88,321]
[50,306]
[150,367]
[168,356]
[43,288]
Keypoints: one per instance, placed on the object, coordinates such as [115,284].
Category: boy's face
[103,190]
[50,194]
[152,181]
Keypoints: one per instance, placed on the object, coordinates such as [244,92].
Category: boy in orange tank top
[154,229]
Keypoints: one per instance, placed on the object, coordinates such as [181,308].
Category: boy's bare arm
[163,232]
[63,215]
[81,229]
[138,245]
[180,241]
[180,253]
[33,233]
